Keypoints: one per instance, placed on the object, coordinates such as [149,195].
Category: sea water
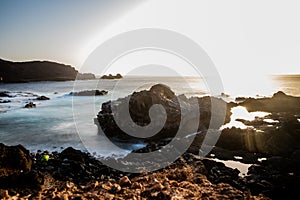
[65,120]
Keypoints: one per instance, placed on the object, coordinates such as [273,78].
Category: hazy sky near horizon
[250,37]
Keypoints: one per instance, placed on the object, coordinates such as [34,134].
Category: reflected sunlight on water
[241,112]
[243,168]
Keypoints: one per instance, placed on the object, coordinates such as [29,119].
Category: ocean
[65,120]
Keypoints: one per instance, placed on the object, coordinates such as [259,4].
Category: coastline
[73,174]
[271,149]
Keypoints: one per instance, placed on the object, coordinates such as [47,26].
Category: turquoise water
[64,121]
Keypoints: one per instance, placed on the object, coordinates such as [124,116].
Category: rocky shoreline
[270,144]
[73,174]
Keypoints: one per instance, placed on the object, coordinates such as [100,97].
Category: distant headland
[32,71]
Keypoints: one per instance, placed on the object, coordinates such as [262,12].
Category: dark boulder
[42,98]
[4,94]
[5,101]
[30,105]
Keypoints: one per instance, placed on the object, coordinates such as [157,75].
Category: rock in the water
[110,76]
[42,98]
[5,101]
[4,94]
[90,93]
[190,114]
[30,105]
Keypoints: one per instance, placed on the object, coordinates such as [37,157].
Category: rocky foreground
[73,174]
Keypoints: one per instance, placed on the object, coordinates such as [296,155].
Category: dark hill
[38,71]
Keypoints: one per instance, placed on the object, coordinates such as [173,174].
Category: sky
[242,38]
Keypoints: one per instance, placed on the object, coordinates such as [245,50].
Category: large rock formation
[38,71]
[179,112]
[277,134]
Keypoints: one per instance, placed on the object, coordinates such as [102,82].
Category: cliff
[12,72]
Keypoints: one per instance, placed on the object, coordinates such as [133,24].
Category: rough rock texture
[73,174]
[178,109]
[14,160]
[38,71]
[15,170]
